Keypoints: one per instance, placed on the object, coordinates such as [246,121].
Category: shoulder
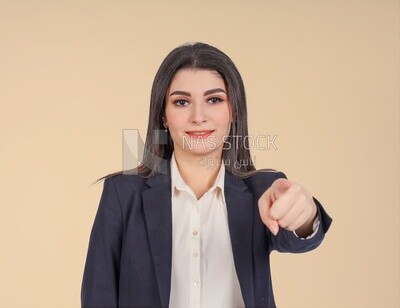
[122,181]
[125,185]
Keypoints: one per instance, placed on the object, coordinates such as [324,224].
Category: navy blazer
[129,256]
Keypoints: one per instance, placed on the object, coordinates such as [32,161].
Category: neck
[198,171]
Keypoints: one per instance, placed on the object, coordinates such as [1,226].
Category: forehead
[186,79]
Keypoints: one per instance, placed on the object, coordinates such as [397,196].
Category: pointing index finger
[279,187]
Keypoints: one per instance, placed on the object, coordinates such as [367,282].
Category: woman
[181,233]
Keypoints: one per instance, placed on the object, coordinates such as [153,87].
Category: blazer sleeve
[101,273]
[287,241]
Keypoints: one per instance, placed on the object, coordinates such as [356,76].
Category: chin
[201,151]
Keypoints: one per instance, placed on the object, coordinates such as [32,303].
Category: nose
[198,113]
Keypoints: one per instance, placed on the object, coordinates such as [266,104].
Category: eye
[181,103]
[214,100]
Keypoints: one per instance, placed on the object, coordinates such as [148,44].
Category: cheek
[172,119]
[223,119]
[175,126]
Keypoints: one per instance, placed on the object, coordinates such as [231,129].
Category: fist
[287,205]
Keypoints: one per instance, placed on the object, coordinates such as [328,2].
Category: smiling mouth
[200,133]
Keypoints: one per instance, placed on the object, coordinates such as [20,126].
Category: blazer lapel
[239,202]
[158,216]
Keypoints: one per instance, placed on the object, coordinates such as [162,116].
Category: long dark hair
[237,158]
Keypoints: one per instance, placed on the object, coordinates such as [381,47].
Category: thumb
[267,199]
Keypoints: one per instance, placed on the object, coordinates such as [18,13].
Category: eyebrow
[208,92]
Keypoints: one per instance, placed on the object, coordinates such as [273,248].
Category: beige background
[322,75]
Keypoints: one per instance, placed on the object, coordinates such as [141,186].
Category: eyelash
[178,101]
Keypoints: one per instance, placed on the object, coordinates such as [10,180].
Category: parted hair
[236,158]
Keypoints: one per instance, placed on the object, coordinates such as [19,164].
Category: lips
[199,133]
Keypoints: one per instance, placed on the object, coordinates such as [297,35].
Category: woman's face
[198,112]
